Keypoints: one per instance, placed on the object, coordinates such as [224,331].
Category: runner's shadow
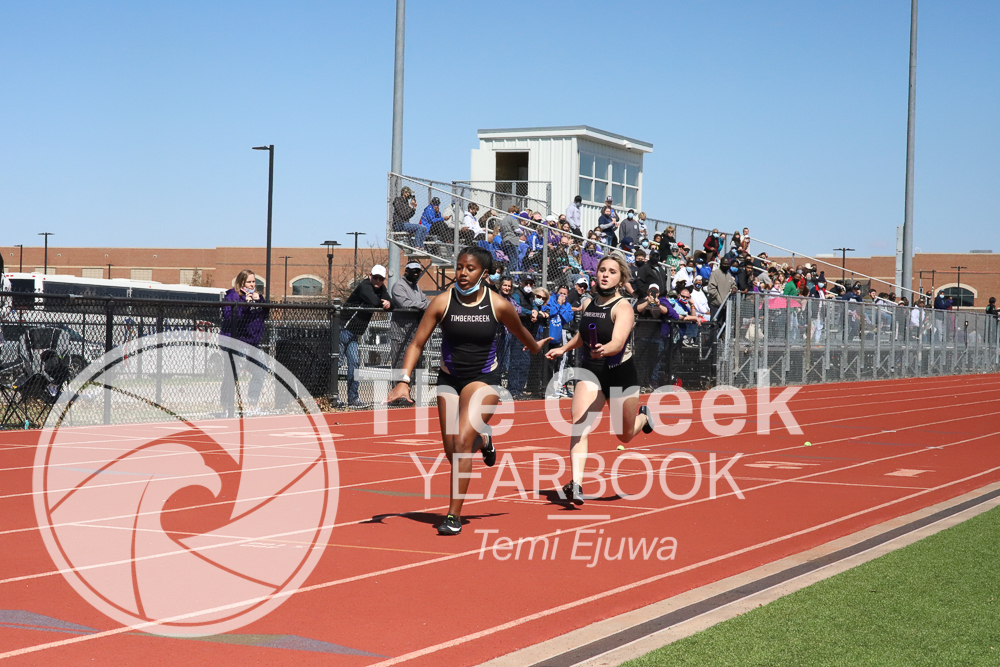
[427,517]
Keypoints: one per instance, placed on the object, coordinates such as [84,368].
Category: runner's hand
[400,391]
[554,353]
[540,344]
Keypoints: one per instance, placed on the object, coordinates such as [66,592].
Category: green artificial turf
[935,602]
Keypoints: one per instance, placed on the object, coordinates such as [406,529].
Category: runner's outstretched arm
[510,319]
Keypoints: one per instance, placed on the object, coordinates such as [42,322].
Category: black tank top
[470,337]
[596,327]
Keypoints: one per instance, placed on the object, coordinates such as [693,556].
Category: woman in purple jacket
[589,259]
[244,321]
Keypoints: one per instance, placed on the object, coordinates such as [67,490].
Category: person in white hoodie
[683,273]
[699,301]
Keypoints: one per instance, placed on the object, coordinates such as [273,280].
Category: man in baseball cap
[367,296]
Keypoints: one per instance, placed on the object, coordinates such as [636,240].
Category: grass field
[935,602]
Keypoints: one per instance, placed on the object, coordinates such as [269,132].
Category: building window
[141,274]
[601,176]
[307,287]
[93,273]
[962,297]
[50,272]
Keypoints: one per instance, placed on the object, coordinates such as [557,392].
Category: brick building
[209,267]
[980,273]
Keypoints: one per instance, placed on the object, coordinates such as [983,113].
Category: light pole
[396,164]
[109,271]
[20,263]
[843,261]
[46,235]
[911,131]
[356,235]
[286,258]
[270,193]
[959,284]
[330,245]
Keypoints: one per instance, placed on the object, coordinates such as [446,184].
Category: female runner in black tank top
[608,355]
[472,320]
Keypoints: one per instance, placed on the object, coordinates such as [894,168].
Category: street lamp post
[109,271]
[330,245]
[20,263]
[270,193]
[959,268]
[356,235]
[286,258]
[45,271]
[843,261]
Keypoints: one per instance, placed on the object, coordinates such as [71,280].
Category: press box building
[578,160]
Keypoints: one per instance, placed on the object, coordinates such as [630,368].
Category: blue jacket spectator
[560,317]
[430,216]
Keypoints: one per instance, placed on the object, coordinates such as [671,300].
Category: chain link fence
[801,340]
[46,341]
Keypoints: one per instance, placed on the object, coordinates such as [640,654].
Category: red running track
[391,586]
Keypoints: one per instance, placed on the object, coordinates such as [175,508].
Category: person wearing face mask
[607,224]
[406,294]
[629,227]
[684,275]
[473,322]
[713,244]
[699,301]
[720,285]
[574,214]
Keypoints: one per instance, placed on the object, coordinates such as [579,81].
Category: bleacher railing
[802,340]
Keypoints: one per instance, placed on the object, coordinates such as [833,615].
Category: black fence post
[333,381]
[109,341]
[159,354]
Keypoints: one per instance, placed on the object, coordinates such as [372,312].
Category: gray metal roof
[575,130]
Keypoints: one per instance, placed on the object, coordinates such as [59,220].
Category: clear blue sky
[130,124]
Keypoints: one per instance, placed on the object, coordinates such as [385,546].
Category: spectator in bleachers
[433,221]
[642,225]
[713,245]
[720,285]
[471,230]
[684,274]
[629,228]
[744,278]
[608,223]
[589,259]
[649,273]
[699,301]
[403,208]
[745,241]
[509,232]
[574,215]
[702,269]
[991,307]
[688,320]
